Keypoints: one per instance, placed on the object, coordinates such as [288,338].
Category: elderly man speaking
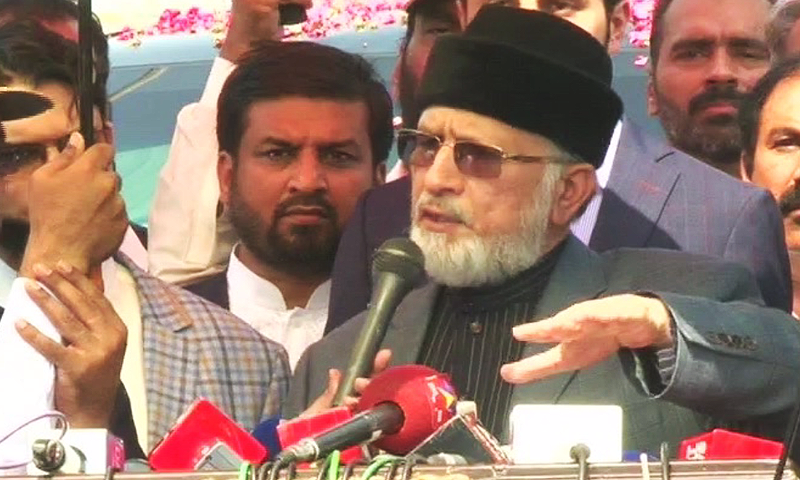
[517,114]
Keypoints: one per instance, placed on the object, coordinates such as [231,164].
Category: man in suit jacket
[654,196]
[222,358]
[673,338]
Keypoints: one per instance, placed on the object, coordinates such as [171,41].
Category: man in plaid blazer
[107,323]
[194,349]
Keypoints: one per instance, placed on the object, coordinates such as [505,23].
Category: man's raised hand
[588,333]
[89,360]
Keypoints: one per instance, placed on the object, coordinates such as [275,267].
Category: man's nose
[722,70]
[309,174]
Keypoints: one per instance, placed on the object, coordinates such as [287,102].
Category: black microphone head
[401,257]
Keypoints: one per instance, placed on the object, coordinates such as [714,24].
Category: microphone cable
[329,469]
[62,424]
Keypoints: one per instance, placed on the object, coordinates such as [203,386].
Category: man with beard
[304,130]
[706,55]
[649,195]
[190,234]
[770,123]
[679,341]
[117,323]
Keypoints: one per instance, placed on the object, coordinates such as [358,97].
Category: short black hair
[609,5]
[274,70]
[751,108]
[34,55]
[657,29]
[57,10]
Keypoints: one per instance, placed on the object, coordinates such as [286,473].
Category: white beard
[473,261]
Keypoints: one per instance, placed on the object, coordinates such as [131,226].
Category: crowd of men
[570,256]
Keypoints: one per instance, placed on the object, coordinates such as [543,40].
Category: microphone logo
[443,396]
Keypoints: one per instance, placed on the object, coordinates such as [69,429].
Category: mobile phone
[291,14]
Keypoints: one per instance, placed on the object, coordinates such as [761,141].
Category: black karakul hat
[531,70]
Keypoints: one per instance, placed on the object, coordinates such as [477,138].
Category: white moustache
[446,205]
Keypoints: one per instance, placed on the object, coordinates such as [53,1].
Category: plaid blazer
[193,349]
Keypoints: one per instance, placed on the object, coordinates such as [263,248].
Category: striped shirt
[470,338]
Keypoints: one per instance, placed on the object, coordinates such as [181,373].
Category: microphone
[205,438]
[721,444]
[398,409]
[399,266]
[89,451]
[291,432]
[266,432]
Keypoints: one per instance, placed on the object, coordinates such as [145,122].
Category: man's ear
[652,101]
[618,27]
[577,186]
[380,174]
[226,169]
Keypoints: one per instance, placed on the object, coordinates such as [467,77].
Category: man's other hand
[253,21]
[76,211]
[89,361]
[325,401]
[588,333]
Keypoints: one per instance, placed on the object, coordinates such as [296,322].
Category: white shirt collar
[7,277]
[604,172]
[252,288]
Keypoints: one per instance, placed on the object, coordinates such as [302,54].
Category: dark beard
[307,250]
[789,202]
[718,140]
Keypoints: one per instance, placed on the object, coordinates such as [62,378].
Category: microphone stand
[788,441]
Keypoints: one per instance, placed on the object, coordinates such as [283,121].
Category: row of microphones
[398,267]
[398,409]
[406,410]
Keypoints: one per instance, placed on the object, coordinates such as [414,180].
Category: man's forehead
[287,118]
[783,104]
[707,19]
[431,8]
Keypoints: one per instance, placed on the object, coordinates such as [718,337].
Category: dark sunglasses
[15,156]
[419,149]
